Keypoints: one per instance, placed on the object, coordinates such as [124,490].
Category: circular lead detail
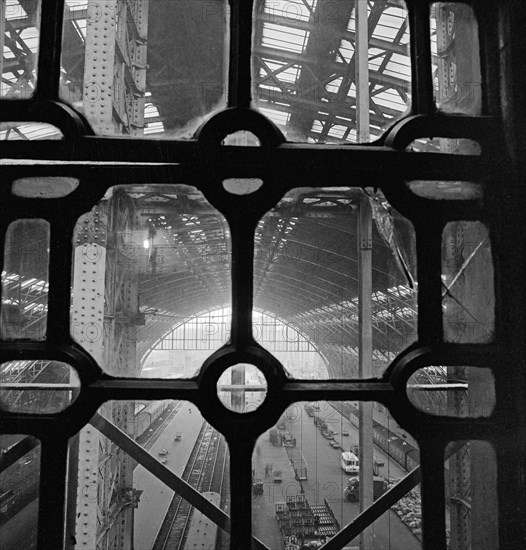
[229,121]
[241,387]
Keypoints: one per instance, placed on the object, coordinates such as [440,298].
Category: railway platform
[156,497]
[273,461]
[203,531]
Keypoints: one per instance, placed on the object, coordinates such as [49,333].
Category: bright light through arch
[183,349]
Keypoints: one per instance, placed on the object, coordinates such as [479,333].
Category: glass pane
[242,388]
[16,131]
[471,495]
[304,68]
[307,472]
[25,280]
[19,41]
[242,186]
[457,146]
[456,58]
[151,277]
[155,71]
[19,488]
[44,187]
[468,300]
[41,387]
[124,489]
[466,392]
[446,190]
[306,282]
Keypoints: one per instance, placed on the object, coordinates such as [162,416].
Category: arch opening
[183,349]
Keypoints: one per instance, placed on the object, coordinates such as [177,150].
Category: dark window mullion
[241,491]
[60,258]
[239,76]
[242,281]
[51,502]
[429,261]
[50,48]
[421,75]
[433,497]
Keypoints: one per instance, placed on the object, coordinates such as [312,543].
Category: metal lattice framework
[304,67]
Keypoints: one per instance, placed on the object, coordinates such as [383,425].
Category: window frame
[203,162]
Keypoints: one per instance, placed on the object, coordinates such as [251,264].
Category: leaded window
[258,259]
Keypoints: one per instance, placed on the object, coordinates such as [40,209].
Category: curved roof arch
[202,339]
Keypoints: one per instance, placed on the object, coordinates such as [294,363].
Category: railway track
[205,471]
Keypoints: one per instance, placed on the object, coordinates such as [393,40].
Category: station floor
[325,481]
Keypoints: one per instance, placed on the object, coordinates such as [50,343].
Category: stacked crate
[297,517]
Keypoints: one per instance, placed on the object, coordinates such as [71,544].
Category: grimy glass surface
[19,40]
[471,495]
[25,280]
[446,190]
[461,392]
[150,260]
[306,277]
[468,297]
[304,68]
[47,187]
[145,69]
[180,442]
[17,131]
[306,477]
[242,388]
[41,387]
[456,59]
[19,490]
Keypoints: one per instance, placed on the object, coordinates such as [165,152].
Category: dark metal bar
[239,76]
[60,263]
[420,40]
[242,283]
[429,250]
[51,509]
[241,489]
[17,451]
[50,48]
[296,162]
[433,497]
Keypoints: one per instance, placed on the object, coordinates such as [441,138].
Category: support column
[361,56]
[99,85]
[365,255]
[365,250]
[104,319]
[87,328]
[105,297]
[2,35]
